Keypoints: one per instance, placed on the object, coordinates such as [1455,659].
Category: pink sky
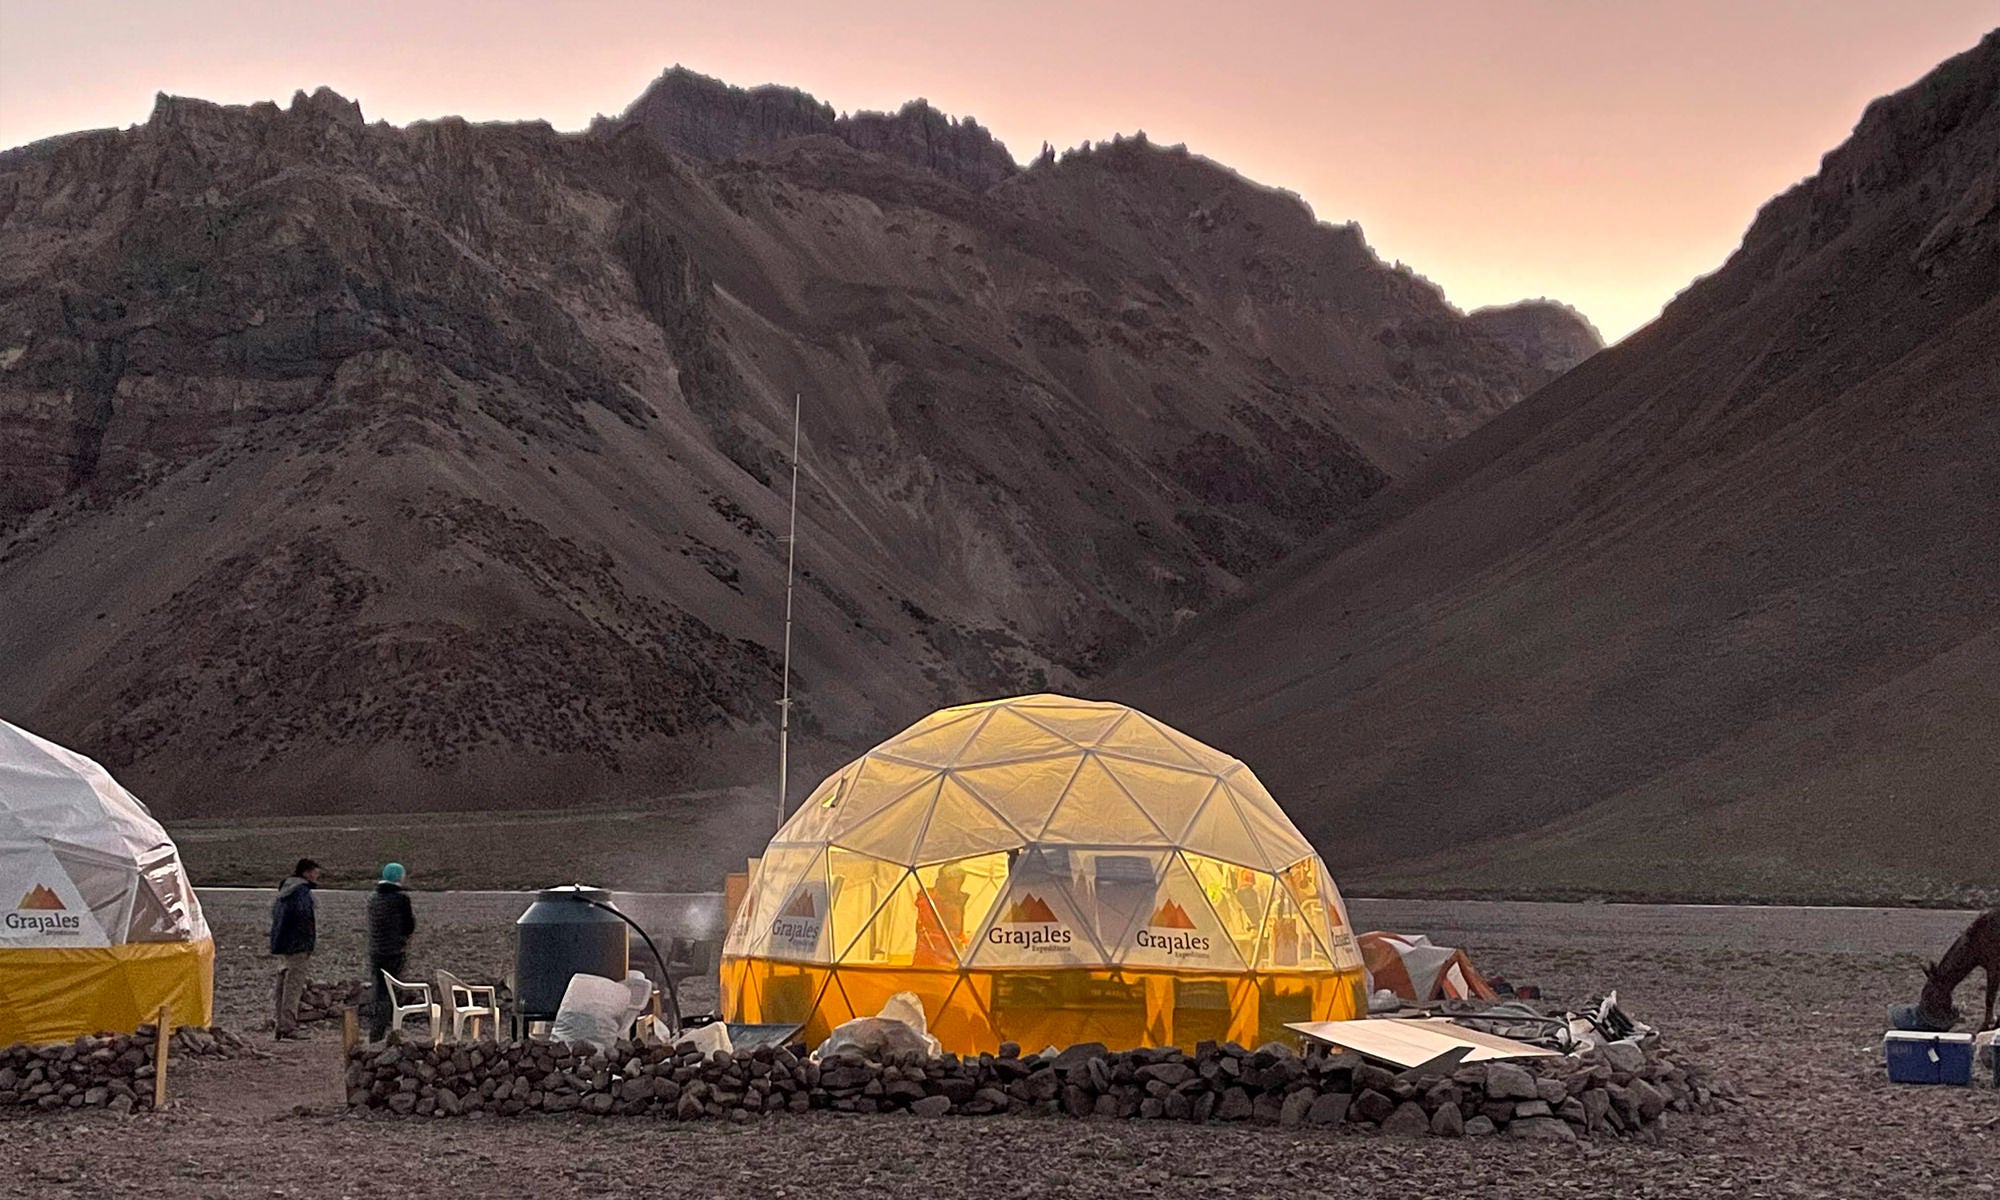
[1602,152]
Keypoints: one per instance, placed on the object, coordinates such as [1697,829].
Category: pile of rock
[114,1072]
[190,1041]
[1623,1090]
[324,1001]
[105,1070]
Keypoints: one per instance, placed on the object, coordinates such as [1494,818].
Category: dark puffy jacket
[391,921]
[293,927]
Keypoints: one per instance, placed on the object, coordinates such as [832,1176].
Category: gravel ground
[1787,1002]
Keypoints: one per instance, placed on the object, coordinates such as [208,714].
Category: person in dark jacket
[294,935]
[391,921]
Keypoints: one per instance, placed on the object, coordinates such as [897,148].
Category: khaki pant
[293,975]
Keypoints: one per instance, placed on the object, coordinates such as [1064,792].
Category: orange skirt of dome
[974,1011]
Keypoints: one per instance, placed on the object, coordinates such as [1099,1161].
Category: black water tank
[560,936]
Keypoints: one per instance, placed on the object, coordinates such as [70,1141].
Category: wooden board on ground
[1412,1043]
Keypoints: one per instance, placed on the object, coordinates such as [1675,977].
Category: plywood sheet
[1412,1043]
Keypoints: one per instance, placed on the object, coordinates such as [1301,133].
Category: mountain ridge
[1611,641]
[347,466]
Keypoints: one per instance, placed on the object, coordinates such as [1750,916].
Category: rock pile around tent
[111,1071]
[1621,1091]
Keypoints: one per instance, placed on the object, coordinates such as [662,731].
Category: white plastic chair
[463,1004]
[410,1000]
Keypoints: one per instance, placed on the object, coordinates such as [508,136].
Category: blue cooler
[1928,1057]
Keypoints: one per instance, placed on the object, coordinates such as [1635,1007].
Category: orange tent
[1410,966]
[1046,871]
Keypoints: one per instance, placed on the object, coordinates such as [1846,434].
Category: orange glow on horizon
[1600,154]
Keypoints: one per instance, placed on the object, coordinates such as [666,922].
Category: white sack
[898,1029]
[596,1011]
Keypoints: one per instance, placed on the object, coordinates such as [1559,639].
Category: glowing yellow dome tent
[98,926]
[1046,871]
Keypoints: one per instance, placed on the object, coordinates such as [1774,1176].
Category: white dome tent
[98,925]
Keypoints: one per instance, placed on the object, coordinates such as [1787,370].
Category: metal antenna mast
[791,555]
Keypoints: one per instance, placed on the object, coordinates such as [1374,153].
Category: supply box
[1928,1057]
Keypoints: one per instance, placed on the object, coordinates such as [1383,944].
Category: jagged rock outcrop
[1716,614]
[350,466]
[707,119]
[1548,333]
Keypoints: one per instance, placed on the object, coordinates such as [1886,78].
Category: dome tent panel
[936,745]
[1219,832]
[962,825]
[778,872]
[859,888]
[1023,793]
[962,1019]
[1302,882]
[878,783]
[1084,725]
[1169,796]
[1183,930]
[1240,897]
[1289,943]
[1008,737]
[1345,940]
[1282,842]
[892,832]
[905,931]
[107,883]
[964,893]
[1097,810]
[814,819]
[1037,922]
[797,929]
[1119,888]
[1137,737]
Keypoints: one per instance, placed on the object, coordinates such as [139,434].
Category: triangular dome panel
[1137,737]
[858,887]
[1098,811]
[1037,923]
[1218,831]
[1169,797]
[1023,793]
[1182,931]
[1240,897]
[1082,724]
[892,833]
[1289,943]
[1282,842]
[936,745]
[875,784]
[1008,737]
[961,825]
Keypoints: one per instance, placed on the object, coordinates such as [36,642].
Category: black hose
[666,976]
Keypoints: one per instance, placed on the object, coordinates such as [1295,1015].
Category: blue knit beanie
[392,872]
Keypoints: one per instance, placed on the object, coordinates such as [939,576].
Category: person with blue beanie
[391,921]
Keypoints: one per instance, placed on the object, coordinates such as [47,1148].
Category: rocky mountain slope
[1716,613]
[1548,333]
[347,466]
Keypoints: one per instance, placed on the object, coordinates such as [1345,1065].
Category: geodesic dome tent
[1045,871]
[98,925]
